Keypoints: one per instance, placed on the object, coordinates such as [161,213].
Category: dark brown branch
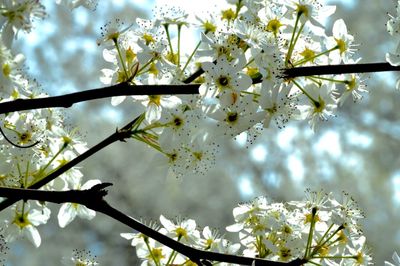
[125,89]
[121,89]
[93,194]
[119,135]
[338,69]
[93,198]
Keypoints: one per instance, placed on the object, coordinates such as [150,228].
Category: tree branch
[125,89]
[93,198]
[93,194]
[121,89]
[119,135]
[338,69]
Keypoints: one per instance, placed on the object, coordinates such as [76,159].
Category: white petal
[37,217]
[339,29]
[110,55]
[85,212]
[66,214]
[170,102]
[127,236]
[90,183]
[234,227]
[153,113]
[167,223]
[117,100]
[393,59]
[33,235]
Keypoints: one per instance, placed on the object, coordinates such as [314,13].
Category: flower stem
[311,232]
[305,93]
[41,171]
[179,45]
[191,56]
[151,252]
[120,58]
[291,45]
[140,71]
[305,60]
[166,26]
[172,255]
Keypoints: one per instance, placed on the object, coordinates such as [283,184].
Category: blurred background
[356,152]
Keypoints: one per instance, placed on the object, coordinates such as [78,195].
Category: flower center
[232,117]
[341,45]
[223,81]
[273,26]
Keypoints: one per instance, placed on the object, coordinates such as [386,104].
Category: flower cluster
[33,143]
[319,229]
[185,231]
[238,63]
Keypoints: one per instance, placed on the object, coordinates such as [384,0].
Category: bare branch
[338,69]
[93,198]
[121,89]
[126,89]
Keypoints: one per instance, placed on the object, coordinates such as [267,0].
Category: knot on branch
[123,134]
[95,194]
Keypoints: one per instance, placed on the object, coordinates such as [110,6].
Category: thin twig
[17,145]
[119,135]
[93,198]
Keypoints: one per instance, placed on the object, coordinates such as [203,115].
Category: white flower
[180,124]
[154,52]
[243,211]
[235,114]
[393,25]
[154,253]
[68,211]
[184,230]
[169,15]
[394,58]
[353,87]
[342,42]
[277,104]
[311,10]
[201,155]
[60,138]
[155,103]
[173,156]
[396,260]
[18,15]
[11,80]
[223,76]
[220,44]
[251,33]
[81,258]
[320,104]
[24,224]
[71,4]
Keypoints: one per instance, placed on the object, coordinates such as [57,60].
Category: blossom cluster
[33,143]
[184,231]
[238,63]
[241,53]
[319,229]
